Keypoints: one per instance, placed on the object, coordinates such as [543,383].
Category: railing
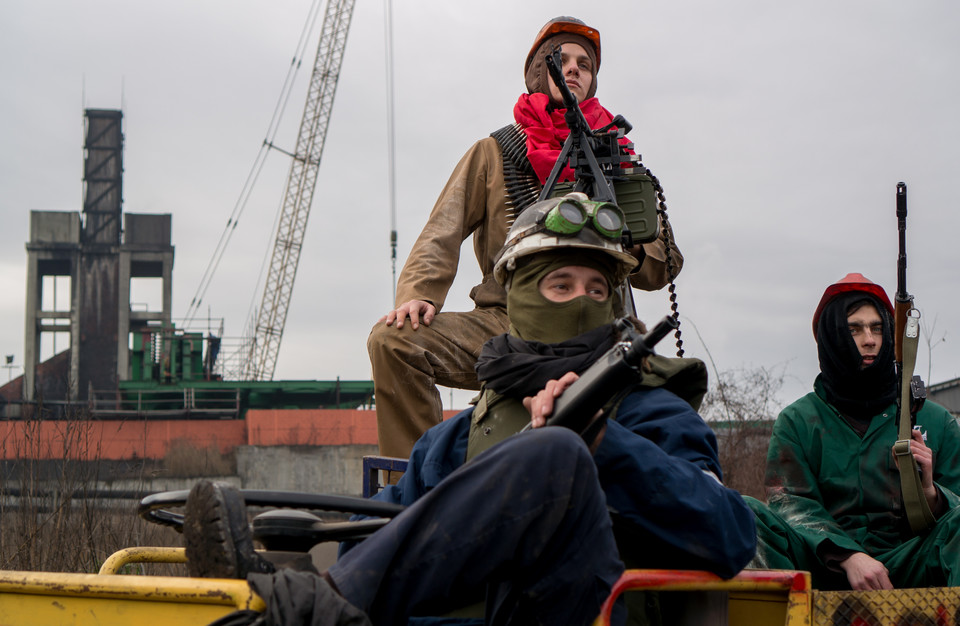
[165,403]
[230,362]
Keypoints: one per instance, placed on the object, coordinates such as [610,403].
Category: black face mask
[856,392]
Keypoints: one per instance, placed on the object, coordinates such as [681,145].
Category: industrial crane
[270,317]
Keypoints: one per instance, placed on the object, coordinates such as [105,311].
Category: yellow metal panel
[937,605]
[81,599]
[757,609]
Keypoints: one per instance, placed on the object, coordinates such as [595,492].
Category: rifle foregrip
[900,311]
[618,368]
[577,405]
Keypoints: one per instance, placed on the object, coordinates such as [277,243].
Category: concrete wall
[54,227]
[116,440]
[947,395]
[311,450]
[292,427]
[313,469]
[88,440]
[335,470]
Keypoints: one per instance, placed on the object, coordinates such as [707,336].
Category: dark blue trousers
[526,520]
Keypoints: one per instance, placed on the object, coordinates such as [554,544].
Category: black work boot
[217,535]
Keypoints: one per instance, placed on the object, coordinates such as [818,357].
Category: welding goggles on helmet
[571,215]
[571,221]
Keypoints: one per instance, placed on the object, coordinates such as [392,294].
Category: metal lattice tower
[298,196]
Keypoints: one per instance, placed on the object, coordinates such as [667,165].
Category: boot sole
[216,532]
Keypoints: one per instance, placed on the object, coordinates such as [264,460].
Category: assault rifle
[911,389]
[616,370]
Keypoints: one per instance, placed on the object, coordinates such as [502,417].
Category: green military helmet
[570,221]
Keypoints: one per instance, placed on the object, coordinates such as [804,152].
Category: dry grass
[743,457]
[76,534]
[741,407]
[52,516]
[184,459]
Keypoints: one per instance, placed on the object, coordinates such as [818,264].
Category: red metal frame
[795,583]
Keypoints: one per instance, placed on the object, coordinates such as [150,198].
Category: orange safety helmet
[850,282]
[565,24]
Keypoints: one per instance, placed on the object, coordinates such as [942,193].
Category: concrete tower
[98,252]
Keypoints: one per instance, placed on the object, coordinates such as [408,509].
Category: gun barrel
[644,346]
[556,73]
[902,294]
[902,200]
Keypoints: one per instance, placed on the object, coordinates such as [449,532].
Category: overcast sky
[779,131]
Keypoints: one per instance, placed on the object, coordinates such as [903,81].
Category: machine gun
[912,392]
[607,173]
[616,370]
[601,166]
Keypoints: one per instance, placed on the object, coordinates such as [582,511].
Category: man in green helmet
[417,345]
[833,484]
[539,521]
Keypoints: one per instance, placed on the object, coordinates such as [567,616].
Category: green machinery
[172,375]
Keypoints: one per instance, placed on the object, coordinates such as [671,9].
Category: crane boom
[298,196]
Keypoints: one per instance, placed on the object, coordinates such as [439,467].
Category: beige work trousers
[408,364]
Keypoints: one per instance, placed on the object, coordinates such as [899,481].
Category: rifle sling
[914,503]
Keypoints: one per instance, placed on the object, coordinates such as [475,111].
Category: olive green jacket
[831,484]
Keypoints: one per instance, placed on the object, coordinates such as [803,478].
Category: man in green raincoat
[833,487]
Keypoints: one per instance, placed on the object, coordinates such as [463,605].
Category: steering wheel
[153,508]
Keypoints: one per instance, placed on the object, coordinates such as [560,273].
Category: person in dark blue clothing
[542,521]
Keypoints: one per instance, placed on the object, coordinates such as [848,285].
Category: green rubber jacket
[831,484]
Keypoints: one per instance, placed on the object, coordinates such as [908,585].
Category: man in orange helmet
[415,346]
[833,486]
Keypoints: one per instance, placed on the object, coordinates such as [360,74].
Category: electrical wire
[258,164]
[391,149]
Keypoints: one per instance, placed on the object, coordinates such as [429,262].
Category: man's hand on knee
[416,310]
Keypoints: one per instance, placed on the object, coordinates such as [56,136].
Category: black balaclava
[855,392]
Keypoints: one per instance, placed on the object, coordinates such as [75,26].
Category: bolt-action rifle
[616,370]
[912,392]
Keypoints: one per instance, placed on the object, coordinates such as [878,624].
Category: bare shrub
[741,407]
[53,516]
[79,536]
[184,459]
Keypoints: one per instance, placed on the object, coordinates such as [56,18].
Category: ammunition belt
[520,181]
